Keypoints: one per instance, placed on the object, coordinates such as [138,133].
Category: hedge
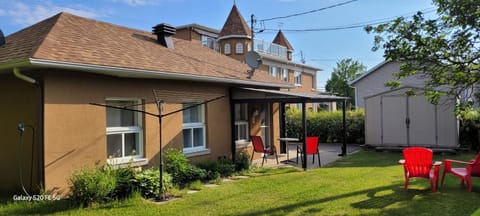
[327,125]
[469,130]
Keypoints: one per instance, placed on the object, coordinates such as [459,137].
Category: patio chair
[312,149]
[471,168]
[260,148]
[417,163]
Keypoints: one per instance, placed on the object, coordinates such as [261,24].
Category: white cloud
[137,2]
[2,12]
[23,14]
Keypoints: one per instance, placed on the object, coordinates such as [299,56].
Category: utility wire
[351,26]
[307,12]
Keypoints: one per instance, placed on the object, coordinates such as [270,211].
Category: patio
[328,153]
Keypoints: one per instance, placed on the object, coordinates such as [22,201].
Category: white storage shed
[393,119]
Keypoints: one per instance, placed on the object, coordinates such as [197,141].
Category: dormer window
[239,48]
[226,49]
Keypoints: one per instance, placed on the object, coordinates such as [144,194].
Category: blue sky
[320,48]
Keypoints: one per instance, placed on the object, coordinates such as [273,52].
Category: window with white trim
[241,122]
[226,49]
[273,71]
[124,130]
[239,48]
[285,74]
[298,78]
[193,128]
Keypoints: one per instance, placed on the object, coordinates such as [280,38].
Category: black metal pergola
[253,95]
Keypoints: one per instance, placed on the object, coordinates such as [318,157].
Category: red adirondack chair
[418,164]
[260,148]
[472,168]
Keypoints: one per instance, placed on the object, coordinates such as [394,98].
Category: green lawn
[365,183]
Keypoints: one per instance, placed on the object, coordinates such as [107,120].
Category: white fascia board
[146,74]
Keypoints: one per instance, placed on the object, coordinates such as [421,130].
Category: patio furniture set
[417,163]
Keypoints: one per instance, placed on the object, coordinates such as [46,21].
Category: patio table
[290,141]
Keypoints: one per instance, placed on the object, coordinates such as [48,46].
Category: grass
[365,183]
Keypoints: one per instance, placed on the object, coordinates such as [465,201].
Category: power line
[351,26]
[307,12]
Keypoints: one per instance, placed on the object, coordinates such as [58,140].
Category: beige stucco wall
[75,130]
[20,103]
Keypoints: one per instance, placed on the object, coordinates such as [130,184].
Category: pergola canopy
[266,95]
[253,95]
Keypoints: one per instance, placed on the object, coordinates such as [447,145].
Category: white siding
[374,82]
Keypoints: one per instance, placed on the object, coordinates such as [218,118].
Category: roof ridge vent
[164,34]
[2,38]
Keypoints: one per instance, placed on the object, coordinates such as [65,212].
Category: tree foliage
[444,50]
[346,70]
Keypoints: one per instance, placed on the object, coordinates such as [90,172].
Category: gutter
[138,73]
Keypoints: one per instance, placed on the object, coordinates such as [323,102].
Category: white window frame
[195,125]
[273,71]
[284,74]
[239,124]
[227,49]
[242,121]
[126,130]
[239,48]
[298,78]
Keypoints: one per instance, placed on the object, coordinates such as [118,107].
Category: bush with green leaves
[124,182]
[469,130]
[89,186]
[327,125]
[222,166]
[148,182]
[177,165]
[242,161]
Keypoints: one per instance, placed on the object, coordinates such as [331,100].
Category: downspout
[17,73]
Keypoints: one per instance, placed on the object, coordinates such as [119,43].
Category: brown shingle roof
[280,39]
[235,24]
[73,39]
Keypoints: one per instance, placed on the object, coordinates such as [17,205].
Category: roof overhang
[135,73]
[252,94]
[270,59]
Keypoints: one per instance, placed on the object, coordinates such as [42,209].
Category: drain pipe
[21,127]
[19,75]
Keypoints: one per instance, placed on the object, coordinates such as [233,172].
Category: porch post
[304,125]
[283,147]
[232,126]
[344,130]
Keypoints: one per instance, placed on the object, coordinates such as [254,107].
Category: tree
[346,70]
[443,50]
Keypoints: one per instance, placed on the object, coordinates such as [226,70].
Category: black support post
[304,125]
[344,130]
[232,124]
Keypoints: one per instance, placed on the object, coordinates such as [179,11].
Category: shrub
[92,186]
[242,162]
[222,166]
[327,125]
[469,128]
[148,182]
[124,182]
[182,172]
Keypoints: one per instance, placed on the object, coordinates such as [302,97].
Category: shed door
[394,113]
[422,119]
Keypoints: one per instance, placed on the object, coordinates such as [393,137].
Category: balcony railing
[270,48]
